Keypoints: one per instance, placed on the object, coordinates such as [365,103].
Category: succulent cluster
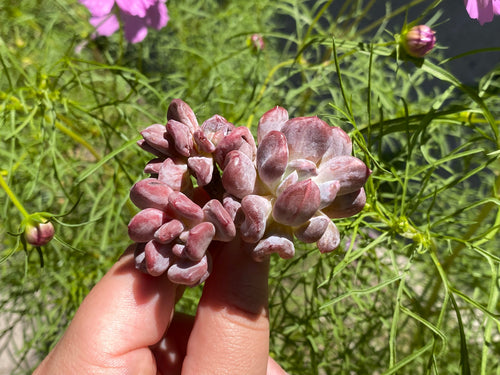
[212,182]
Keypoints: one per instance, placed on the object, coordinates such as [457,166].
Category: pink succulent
[482,10]
[300,176]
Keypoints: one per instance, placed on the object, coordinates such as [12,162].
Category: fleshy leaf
[157,257]
[239,175]
[274,244]
[179,110]
[272,157]
[330,240]
[145,223]
[271,120]
[346,205]
[256,210]
[351,173]
[150,193]
[307,137]
[297,203]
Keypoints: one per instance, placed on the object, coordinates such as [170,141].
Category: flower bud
[256,42]
[419,41]
[39,234]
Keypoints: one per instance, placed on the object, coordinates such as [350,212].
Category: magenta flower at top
[482,10]
[137,16]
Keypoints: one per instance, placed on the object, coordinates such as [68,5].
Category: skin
[127,324]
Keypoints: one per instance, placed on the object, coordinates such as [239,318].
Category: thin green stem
[13,197]
[485,210]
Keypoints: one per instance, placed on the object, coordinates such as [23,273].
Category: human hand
[127,324]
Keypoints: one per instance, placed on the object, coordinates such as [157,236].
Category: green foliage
[414,288]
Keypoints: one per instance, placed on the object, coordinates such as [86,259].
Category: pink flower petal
[135,27]
[135,7]
[98,8]
[105,25]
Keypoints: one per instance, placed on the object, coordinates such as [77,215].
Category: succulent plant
[299,177]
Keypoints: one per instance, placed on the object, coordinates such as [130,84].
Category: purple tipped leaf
[328,192]
[202,168]
[307,137]
[305,168]
[297,203]
[289,180]
[154,165]
[216,128]
[346,205]
[146,147]
[175,175]
[145,223]
[339,144]
[198,240]
[274,244]
[184,208]
[239,139]
[188,272]
[158,257]
[349,171]
[181,136]
[256,210]
[233,208]
[271,120]
[178,249]
[180,111]
[215,213]
[272,158]
[203,144]
[169,231]
[239,175]
[155,136]
[313,229]
[150,193]
[330,240]
[140,257]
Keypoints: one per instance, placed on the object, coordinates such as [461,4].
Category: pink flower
[39,234]
[136,15]
[419,41]
[482,10]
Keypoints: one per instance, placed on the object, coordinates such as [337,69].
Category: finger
[124,314]
[274,369]
[231,330]
[171,350]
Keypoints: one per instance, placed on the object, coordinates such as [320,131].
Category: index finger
[231,330]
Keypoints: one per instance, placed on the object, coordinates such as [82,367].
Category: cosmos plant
[135,15]
[482,10]
[212,182]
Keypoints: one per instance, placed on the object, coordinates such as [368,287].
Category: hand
[127,324]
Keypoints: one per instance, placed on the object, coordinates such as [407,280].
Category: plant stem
[485,210]
[13,197]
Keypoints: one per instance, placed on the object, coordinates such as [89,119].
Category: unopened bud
[256,42]
[419,41]
[39,234]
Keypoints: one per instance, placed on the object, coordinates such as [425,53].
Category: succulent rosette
[299,177]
